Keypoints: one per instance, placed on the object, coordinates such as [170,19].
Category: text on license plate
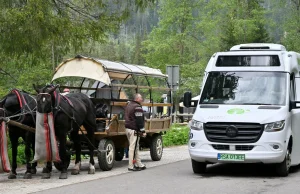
[231,157]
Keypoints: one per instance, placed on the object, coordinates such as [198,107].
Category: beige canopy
[101,70]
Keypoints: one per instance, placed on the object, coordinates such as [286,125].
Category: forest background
[37,35]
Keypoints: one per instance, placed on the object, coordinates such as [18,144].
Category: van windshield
[252,88]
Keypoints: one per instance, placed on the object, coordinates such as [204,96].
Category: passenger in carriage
[134,124]
[65,91]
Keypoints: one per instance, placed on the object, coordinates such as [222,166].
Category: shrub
[21,159]
[177,135]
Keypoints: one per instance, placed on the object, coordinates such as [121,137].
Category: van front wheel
[198,167]
[283,168]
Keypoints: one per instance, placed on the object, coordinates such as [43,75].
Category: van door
[295,114]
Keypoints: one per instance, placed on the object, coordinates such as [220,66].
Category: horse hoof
[45,170]
[27,175]
[75,172]
[33,171]
[12,176]
[92,171]
[63,175]
[46,176]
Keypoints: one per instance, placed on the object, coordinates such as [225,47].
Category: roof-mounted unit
[258,46]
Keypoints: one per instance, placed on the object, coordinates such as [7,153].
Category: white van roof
[258,46]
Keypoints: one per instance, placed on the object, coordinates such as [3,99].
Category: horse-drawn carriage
[110,85]
[107,86]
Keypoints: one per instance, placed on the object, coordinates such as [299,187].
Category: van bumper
[259,154]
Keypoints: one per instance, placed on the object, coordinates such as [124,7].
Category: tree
[174,42]
[38,33]
[291,26]
[232,22]
[36,26]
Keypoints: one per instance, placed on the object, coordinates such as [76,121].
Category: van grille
[244,147]
[220,147]
[237,147]
[246,132]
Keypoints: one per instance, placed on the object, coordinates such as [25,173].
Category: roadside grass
[177,135]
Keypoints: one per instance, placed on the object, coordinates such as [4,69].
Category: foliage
[29,27]
[291,24]
[243,22]
[21,159]
[177,135]
[174,41]
[37,34]
[190,31]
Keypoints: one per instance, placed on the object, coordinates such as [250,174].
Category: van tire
[282,169]
[198,167]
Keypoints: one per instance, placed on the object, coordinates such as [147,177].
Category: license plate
[231,157]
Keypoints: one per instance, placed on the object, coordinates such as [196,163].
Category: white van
[248,109]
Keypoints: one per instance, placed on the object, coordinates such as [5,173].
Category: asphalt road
[23,186]
[178,178]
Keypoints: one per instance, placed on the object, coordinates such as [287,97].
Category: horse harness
[57,108]
[23,105]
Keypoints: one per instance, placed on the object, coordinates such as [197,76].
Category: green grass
[21,159]
[177,135]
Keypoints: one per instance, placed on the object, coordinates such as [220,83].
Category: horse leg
[46,173]
[34,165]
[63,154]
[90,134]
[77,146]
[14,147]
[27,174]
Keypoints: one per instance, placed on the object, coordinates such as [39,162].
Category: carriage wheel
[156,147]
[58,165]
[119,154]
[106,158]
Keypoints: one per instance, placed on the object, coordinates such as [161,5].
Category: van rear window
[248,60]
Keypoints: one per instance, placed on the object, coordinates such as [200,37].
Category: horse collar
[20,97]
[22,103]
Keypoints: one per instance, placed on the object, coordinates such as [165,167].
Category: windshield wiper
[255,104]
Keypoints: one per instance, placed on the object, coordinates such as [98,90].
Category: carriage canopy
[103,79]
[102,70]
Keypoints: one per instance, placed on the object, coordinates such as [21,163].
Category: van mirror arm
[295,104]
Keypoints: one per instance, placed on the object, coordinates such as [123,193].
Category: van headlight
[275,126]
[196,125]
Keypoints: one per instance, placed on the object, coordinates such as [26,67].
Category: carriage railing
[118,85]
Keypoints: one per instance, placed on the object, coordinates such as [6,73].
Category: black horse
[70,112]
[20,107]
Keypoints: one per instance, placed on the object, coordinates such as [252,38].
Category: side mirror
[187,99]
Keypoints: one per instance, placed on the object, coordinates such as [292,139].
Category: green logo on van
[237,111]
